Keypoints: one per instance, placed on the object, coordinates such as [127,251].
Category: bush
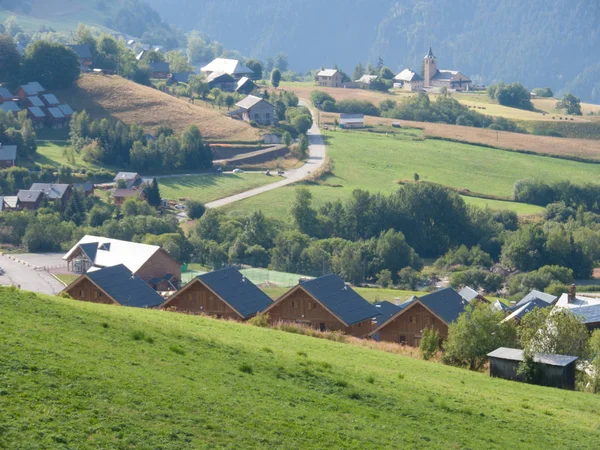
[319,98]
[246,368]
[261,320]
[430,343]
[195,209]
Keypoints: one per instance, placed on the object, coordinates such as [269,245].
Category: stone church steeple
[430,67]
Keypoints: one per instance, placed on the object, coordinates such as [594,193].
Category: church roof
[430,53]
[448,75]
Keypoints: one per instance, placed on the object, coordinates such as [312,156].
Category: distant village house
[255,109]
[329,78]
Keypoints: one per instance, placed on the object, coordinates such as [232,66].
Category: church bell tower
[430,67]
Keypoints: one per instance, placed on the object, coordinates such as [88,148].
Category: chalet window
[309,306]
[190,297]
[315,307]
[96,294]
[82,294]
[293,305]
[402,339]
[411,319]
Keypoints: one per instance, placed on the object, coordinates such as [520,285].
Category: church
[451,79]
[433,77]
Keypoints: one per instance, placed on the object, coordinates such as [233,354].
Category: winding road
[316,158]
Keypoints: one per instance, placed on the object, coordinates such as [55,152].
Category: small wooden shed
[552,370]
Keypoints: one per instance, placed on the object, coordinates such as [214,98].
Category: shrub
[177,349]
[354,395]
[301,353]
[195,209]
[246,368]
[430,343]
[260,320]
[138,335]
[371,379]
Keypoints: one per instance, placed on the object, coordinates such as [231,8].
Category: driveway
[316,158]
[27,278]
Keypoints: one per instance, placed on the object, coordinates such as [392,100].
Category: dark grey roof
[30,89]
[387,310]
[181,77]
[9,107]
[547,298]
[5,93]
[50,99]
[340,299]
[513,354]
[56,113]
[124,287]
[90,249]
[221,77]
[51,190]
[237,291]
[8,152]
[589,314]
[250,102]
[35,101]
[66,109]
[159,66]
[37,112]
[430,53]
[446,303]
[82,50]
[28,195]
[88,186]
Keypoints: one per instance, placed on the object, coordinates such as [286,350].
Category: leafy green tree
[303,144]
[393,253]
[303,214]
[286,255]
[287,139]
[199,86]
[359,71]
[75,208]
[255,66]
[135,207]
[384,278]
[51,64]
[258,230]
[593,349]
[209,226]
[302,123]
[98,215]
[386,73]
[553,330]
[317,98]
[571,104]
[275,78]
[430,343]
[544,92]
[178,62]
[195,209]
[280,62]
[10,59]
[514,95]
[475,333]
[408,278]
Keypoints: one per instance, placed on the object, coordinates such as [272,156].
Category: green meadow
[81,375]
[376,162]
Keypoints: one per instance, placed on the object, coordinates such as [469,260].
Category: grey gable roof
[446,303]
[8,152]
[83,51]
[387,310]
[513,354]
[5,93]
[52,191]
[29,195]
[340,299]
[159,66]
[124,287]
[533,295]
[237,291]
[468,293]
[90,249]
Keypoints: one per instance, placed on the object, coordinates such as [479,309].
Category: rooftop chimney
[572,293]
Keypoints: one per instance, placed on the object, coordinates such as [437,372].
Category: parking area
[28,278]
[51,261]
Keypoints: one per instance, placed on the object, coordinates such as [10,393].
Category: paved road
[27,278]
[316,158]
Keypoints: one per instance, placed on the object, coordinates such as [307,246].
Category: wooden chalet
[325,303]
[149,262]
[8,155]
[55,192]
[5,95]
[160,70]
[436,310]
[222,81]
[29,89]
[115,285]
[37,116]
[29,199]
[224,293]
[84,54]
[10,107]
[245,86]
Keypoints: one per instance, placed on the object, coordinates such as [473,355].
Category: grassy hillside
[79,375]
[113,96]
[375,162]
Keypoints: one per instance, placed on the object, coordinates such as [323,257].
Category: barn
[327,304]
[115,285]
[224,293]
[551,370]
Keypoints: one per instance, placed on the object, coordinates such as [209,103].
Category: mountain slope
[80,375]
[538,42]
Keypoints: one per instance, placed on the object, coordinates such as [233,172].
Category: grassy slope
[375,162]
[73,376]
[206,188]
[104,96]
[52,154]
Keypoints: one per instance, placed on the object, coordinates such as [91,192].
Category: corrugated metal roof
[238,291]
[124,287]
[590,314]
[229,66]
[340,299]
[11,201]
[131,254]
[327,73]
[446,303]
[513,354]
[408,75]
[250,102]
